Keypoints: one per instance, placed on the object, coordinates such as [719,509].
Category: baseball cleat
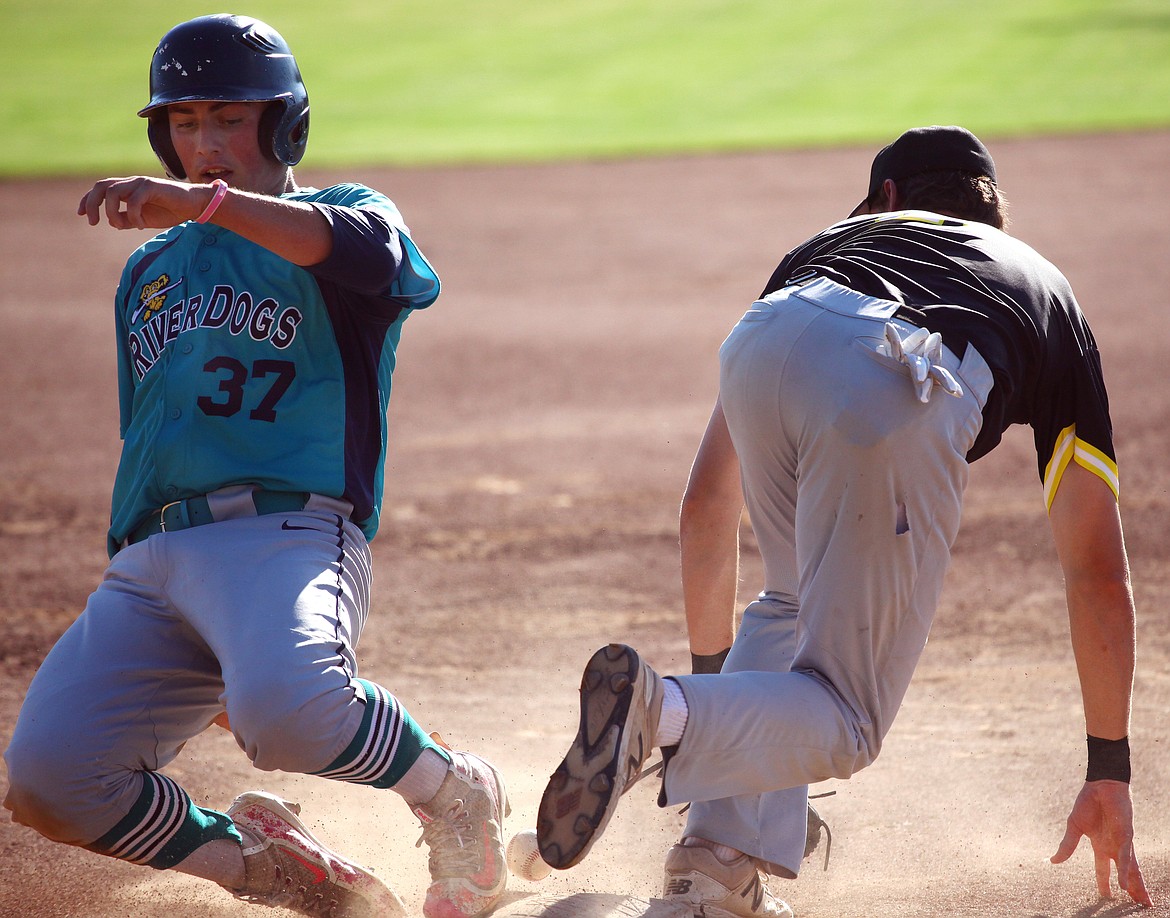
[621,700]
[463,825]
[719,889]
[287,867]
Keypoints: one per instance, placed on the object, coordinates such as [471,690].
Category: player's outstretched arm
[293,230]
[709,539]
[1086,526]
[143,202]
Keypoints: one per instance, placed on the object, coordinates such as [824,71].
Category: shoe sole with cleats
[606,755]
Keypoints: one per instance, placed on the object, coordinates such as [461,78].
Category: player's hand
[142,202]
[1103,813]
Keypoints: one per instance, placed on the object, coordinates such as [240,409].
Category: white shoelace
[450,854]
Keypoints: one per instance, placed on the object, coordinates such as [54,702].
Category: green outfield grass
[443,81]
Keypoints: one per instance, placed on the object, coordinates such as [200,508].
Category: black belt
[196,511]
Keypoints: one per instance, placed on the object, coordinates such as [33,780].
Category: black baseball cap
[936,148]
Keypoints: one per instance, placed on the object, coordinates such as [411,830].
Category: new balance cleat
[464,828]
[287,867]
[621,701]
[713,888]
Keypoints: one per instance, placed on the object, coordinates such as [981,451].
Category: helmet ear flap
[294,135]
[284,131]
[158,130]
[267,130]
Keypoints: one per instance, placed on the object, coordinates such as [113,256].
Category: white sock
[424,778]
[673,719]
[725,853]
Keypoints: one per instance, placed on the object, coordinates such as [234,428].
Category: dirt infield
[544,416]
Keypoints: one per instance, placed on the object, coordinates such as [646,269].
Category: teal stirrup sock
[163,827]
[388,742]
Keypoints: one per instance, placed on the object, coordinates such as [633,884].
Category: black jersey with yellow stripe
[978,286]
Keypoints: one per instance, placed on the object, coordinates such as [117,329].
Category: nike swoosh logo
[289,528]
[487,876]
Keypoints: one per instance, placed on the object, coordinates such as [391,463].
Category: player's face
[221,140]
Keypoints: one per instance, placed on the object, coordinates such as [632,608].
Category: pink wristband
[221,190]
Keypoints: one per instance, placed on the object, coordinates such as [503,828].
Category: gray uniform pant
[256,616]
[854,490]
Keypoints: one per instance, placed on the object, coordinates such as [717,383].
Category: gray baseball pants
[854,490]
[242,616]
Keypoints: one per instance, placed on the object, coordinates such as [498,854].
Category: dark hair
[960,194]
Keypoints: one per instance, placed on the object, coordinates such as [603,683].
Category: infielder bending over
[256,341]
[885,354]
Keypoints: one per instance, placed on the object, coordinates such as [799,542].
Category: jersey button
[210,239]
[205,266]
[176,413]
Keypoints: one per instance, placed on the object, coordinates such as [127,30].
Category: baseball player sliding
[256,343]
[885,354]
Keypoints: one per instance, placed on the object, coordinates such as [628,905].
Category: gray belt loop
[232,502]
[322,504]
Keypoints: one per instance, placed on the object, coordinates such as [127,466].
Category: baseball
[524,857]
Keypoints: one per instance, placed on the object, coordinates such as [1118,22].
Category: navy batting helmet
[226,58]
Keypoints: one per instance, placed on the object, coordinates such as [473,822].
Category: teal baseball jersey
[238,367]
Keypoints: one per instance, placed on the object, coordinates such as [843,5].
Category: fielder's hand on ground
[1103,813]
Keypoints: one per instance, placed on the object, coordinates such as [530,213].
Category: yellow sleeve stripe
[1070,449]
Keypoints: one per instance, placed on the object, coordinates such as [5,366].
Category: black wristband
[1108,760]
[708,663]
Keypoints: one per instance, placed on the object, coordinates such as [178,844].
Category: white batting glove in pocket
[921,352]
